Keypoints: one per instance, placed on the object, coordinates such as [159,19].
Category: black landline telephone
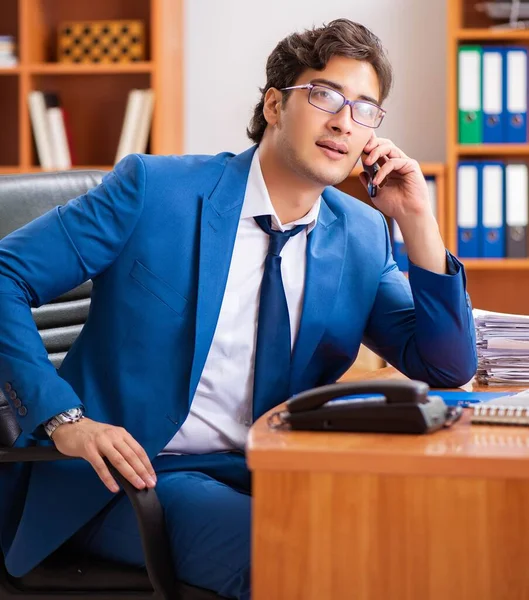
[396,407]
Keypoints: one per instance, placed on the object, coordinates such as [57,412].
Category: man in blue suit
[221,285]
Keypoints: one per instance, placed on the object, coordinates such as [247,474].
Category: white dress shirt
[221,410]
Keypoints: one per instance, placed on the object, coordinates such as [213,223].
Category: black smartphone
[371,171]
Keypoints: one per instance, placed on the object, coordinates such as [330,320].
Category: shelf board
[9,70]
[493,149]
[464,35]
[431,169]
[495,264]
[88,69]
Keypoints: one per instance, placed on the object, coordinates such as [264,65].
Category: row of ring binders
[492,94]
[492,209]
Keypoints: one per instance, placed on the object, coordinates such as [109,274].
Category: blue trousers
[206,502]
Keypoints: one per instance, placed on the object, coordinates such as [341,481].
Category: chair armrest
[154,538]
[149,514]
[31,454]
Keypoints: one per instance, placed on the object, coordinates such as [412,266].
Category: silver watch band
[71,415]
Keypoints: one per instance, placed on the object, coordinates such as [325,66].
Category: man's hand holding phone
[401,193]
[400,185]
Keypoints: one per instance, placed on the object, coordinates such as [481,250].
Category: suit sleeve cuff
[453,267]
[453,281]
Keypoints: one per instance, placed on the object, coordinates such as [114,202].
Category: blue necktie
[273,347]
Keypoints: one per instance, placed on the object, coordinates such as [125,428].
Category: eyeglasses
[331,101]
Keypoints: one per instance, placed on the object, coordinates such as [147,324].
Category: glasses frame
[351,103]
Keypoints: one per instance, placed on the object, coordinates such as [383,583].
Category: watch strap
[71,415]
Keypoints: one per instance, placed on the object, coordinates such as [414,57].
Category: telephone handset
[394,407]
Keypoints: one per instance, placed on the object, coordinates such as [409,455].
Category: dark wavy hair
[313,49]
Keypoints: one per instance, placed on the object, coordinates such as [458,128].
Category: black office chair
[63,575]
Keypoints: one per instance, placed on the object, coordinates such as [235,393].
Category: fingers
[384,150]
[125,454]
[122,465]
[142,472]
[140,452]
[99,466]
[95,441]
[399,165]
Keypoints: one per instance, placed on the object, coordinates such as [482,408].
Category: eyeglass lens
[332,101]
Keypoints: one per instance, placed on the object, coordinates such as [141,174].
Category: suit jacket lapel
[218,228]
[325,260]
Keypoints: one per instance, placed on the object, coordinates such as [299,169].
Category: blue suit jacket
[156,238]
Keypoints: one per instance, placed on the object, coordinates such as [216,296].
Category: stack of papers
[503,348]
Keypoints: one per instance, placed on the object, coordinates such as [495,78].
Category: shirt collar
[257,201]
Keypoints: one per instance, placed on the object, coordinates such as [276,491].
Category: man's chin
[321,172]
[326,176]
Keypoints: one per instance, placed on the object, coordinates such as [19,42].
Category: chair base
[88,579]
[12,588]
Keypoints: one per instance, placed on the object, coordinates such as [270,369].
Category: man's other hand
[93,441]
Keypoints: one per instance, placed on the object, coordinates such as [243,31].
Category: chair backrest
[22,199]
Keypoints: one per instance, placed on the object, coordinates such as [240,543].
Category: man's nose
[342,121]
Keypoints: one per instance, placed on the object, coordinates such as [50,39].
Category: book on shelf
[59,140]
[41,129]
[136,123]
[52,139]
[7,51]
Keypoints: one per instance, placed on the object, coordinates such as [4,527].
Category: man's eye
[366,109]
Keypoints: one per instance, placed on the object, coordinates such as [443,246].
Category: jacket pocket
[158,288]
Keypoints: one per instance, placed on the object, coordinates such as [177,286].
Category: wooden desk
[339,516]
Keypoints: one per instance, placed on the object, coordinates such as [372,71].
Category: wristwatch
[71,415]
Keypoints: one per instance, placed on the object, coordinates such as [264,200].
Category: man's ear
[272,106]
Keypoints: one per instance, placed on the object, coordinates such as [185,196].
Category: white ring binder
[509,410]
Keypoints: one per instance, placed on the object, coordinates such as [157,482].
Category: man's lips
[341,148]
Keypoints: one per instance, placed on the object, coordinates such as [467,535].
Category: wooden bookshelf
[94,96]
[66,69]
[498,284]
[494,264]
[488,150]
[488,35]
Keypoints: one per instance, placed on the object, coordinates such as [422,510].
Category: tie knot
[277,238]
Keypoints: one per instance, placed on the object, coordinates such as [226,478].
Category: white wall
[228,41]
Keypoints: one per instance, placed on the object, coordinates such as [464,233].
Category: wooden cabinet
[494,284]
[93,95]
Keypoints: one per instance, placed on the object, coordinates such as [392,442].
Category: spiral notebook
[507,410]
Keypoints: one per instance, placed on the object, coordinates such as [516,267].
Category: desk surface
[462,450]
